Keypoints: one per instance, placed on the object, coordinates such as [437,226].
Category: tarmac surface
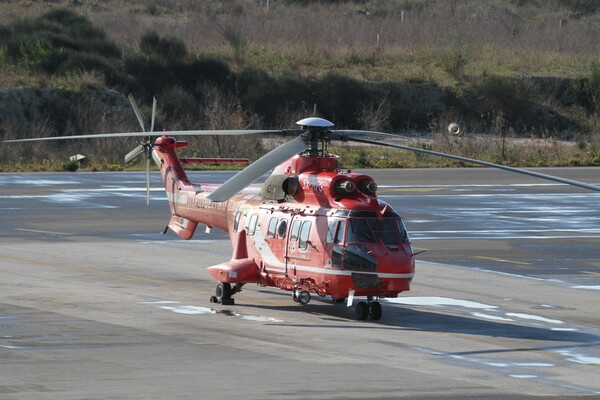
[95,303]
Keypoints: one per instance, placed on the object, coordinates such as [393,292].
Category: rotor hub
[317,132]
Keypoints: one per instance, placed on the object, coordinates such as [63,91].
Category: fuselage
[310,226]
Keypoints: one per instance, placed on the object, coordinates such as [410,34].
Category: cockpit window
[389,231]
[359,231]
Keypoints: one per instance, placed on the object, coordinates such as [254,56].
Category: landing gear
[224,293]
[362,311]
[302,297]
[376,311]
[372,310]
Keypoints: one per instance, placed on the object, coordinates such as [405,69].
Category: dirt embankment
[522,106]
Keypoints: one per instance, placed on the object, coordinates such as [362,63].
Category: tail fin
[174,179]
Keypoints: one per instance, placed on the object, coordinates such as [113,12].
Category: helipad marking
[501,260]
[45,232]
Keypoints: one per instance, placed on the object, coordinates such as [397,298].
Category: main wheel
[362,311]
[375,311]
[304,297]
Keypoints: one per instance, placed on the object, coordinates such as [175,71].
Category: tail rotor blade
[153,114]
[137,111]
[134,153]
[148,182]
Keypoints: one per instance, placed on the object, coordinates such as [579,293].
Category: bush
[507,97]
[71,166]
[151,74]
[259,93]
[177,103]
[340,98]
[592,87]
[200,71]
[580,7]
[43,44]
[169,48]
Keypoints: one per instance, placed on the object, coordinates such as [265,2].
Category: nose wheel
[371,310]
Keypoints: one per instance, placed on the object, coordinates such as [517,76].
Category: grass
[457,46]
[518,153]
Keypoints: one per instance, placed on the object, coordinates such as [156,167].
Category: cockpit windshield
[389,231]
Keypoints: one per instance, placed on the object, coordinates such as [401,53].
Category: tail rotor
[145,145]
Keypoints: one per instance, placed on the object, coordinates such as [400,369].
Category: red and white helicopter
[309,228]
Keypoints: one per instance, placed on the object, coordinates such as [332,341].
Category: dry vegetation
[480,54]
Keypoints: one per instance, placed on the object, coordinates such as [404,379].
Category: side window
[295,230]
[304,235]
[272,227]
[331,231]
[281,229]
[335,232]
[236,221]
[339,233]
[252,224]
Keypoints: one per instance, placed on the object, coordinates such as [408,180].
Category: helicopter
[310,228]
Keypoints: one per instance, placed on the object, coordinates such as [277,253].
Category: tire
[362,311]
[223,291]
[304,297]
[376,311]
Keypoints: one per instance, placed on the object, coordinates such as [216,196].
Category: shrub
[34,55]
[71,166]
[455,60]
[340,98]
[234,37]
[151,74]
[168,48]
[3,54]
[177,103]
[506,96]
[83,62]
[200,71]
[592,86]
[580,7]
[43,44]
[259,93]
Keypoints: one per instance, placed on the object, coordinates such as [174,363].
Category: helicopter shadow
[404,318]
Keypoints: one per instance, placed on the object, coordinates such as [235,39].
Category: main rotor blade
[216,132]
[134,153]
[475,161]
[257,169]
[359,132]
[137,111]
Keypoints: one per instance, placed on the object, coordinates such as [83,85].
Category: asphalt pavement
[95,303]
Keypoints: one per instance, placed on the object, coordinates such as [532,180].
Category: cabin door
[298,245]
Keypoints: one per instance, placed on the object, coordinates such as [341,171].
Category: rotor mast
[317,130]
